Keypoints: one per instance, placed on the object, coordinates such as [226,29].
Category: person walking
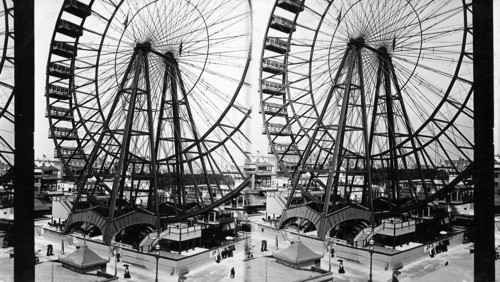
[50,250]
[341,267]
[218,258]
[127,272]
[232,272]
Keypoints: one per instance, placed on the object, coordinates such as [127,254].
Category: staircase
[366,234]
[279,198]
[196,210]
[149,241]
[61,207]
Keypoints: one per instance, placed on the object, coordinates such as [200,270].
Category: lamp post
[330,246]
[246,223]
[371,242]
[117,258]
[157,255]
[330,256]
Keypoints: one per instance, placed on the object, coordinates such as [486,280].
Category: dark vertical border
[24,241]
[484,262]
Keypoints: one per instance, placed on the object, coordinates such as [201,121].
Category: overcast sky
[47,11]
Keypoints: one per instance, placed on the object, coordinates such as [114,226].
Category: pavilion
[298,255]
[84,260]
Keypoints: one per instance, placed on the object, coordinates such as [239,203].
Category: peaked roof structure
[83,260]
[50,168]
[297,253]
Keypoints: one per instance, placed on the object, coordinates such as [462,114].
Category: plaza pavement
[261,268]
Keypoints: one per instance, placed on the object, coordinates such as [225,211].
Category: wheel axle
[358,42]
[144,47]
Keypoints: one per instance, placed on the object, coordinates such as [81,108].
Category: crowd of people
[437,248]
[225,253]
[6,200]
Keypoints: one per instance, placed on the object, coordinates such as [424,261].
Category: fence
[166,265]
[384,259]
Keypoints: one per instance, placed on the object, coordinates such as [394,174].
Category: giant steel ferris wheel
[374,98]
[150,97]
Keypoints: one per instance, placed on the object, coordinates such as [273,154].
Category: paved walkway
[261,268]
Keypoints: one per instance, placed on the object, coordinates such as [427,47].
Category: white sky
[46,13]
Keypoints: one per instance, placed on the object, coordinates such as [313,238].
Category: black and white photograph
[249,140]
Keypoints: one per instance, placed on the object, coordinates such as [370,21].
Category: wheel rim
[429,47]
[196,58]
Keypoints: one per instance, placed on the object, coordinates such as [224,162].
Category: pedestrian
[332,252]
[262,229]
[50,250]
[232,272]
[127,272]
[341,268]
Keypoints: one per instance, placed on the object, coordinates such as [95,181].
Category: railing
[59,91]
[173,231]
[275,128]
[273,41]
[77,8]
[273,86]
[70,27]
[58,112]
[273,64]
[64,47]
[394,228]
[397,225]
[293,6]
[58,132]
[282,148]
[274,108]
[283,22]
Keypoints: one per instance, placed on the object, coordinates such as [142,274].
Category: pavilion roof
[50,168]
[83,258]
[297,253]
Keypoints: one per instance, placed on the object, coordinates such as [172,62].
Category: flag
[125,23]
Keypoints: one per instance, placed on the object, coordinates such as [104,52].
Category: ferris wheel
[149,97]
[6,91]
[364,99]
